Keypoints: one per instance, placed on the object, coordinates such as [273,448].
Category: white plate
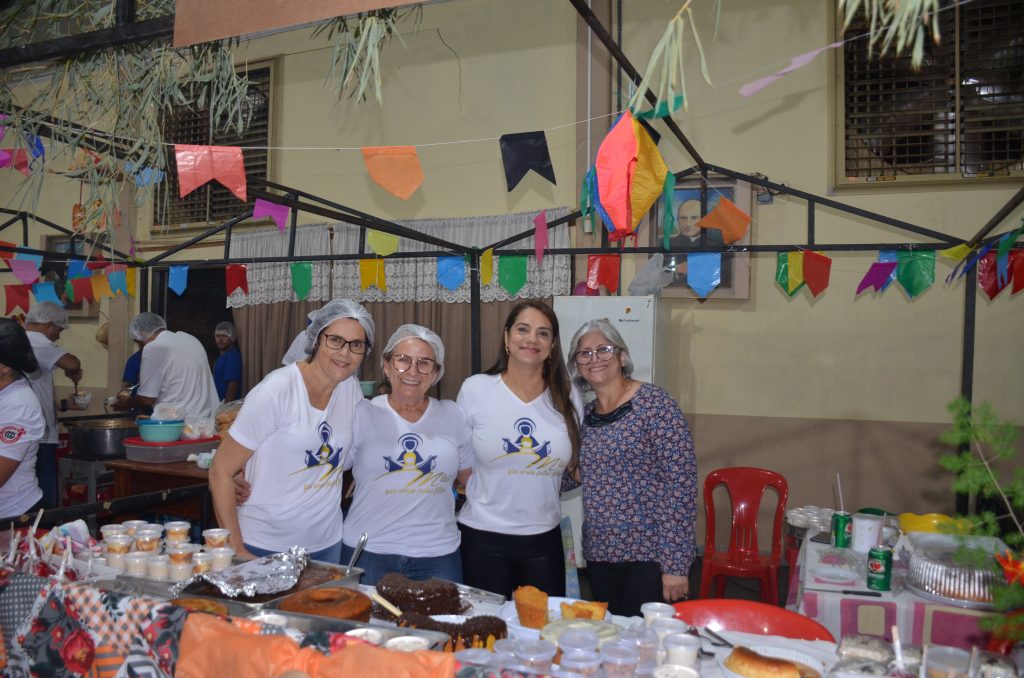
[777,653]
[508,613]
[834,575]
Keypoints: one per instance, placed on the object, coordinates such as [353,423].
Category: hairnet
[48,312]
[411,331]
[15,351]
[337,309]
[145,325]
[225,328]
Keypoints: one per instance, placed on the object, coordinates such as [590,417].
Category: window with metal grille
[960,116]
[212,203]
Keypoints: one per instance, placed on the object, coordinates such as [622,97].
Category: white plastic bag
[198,427]
[168,412]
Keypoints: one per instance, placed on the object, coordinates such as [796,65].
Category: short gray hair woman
[614,339]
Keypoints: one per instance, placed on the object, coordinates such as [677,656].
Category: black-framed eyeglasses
[403,362]
[336,343]
[603,352]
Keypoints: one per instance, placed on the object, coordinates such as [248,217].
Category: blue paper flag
[144,176]
[77,269]
[451,271]
[45,291]
[36,146]
[177,279]
[888,256]
[119,282]
[704,272]
[25,256]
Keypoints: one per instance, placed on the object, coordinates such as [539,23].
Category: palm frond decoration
[667,68]
[896,24]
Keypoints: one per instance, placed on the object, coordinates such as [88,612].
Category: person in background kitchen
[43,325]
[227,371]
[22,424]
[174,369]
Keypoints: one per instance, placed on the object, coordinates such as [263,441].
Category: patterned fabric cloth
[18,593]
[639,484]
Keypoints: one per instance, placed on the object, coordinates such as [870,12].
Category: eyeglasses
[336,343]
[603,352]
[403,362]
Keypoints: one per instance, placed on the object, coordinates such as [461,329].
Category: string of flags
[85,281]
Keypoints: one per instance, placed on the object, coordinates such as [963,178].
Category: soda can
[880,568]
[842,529]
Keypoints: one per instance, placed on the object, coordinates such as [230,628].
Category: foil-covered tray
[307,623]
[315,575]
[935,572]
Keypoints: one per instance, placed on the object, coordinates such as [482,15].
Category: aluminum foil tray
[314,566]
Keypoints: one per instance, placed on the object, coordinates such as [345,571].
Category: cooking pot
[100,438]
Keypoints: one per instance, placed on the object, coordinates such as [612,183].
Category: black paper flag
[523,152]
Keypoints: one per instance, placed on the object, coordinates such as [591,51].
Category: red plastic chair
[723,614]
[747,486]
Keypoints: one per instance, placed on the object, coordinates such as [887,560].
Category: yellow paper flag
[487,267]
[371,272]
[796,270]
[382,244]
[101,287]
[957,252]
[129,277]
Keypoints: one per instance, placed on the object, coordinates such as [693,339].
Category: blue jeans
[46,473]
[331,554]
[376,565]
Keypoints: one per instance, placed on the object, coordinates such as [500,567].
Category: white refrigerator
[643,328]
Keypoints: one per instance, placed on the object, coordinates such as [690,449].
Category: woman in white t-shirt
[22,424]
[524,414]
[291,437]
[407,451]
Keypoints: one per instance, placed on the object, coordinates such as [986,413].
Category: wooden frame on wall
[686,203]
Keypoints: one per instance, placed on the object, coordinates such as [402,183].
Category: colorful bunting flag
[603,269]
[957,252]
[45,291]
[703,272]
[36,146]
[790,284]
[118,281]
[25,271]
[727,218]
[383,244]
[145,176]
[302,278]
[17,296]
[966,265]
[371,272]
[1017,270]
[82,289]
[878,276]
[796,271]
[6,255]
[522,152]
[36,259]
[177,279]
[77,269]
[451,272]
[487,266]
[889,256]
[989,280]
[236,278]
[101,287]
[795,63]
[540,234]
[129,277]
[1006,243]
[199,164]
[512,273]
[396,169]
[817,268]
[915,271]
[279,213]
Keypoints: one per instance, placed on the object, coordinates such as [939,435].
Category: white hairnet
[226,328]
[335,310]
[145,325]
[411,331]
[48,312]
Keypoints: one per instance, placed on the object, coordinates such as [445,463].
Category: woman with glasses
[408,450]
[525,419]
[639,478]
[292,437]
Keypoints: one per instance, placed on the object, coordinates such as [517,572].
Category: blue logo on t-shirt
[325,455]
[410,459]
[526,443]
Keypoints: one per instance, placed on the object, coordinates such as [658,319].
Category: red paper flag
[6,255]
[199,164]
[20,161]
[1017,270]
[237,278]
[816,271]
[17,295]
[83,289]
[603,269]
[988,278]
[396,169]
[540,234]
[729,219]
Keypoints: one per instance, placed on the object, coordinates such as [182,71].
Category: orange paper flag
[729,219]
[199,164]
[101,287]
[371,272]
[396,169]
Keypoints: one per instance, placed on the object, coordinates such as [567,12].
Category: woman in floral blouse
[639,477]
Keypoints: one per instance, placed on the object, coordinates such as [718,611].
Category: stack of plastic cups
[505,652]
[476,656]
[578,639]
[619,660]
[582,662]
[646,641]
[536,655]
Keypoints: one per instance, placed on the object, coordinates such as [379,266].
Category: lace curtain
[416,279]
[270,283]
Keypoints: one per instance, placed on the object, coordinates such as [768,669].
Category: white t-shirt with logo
[175,369]
[21,428]
[403,477]
[520,450]
[47,354]
[297,464]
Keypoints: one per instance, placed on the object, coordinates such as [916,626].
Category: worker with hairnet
[43,325]
[297,350]
[175,369]
[227,370]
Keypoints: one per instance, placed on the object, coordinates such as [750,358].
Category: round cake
[433,596]
[333,601]
[470,632]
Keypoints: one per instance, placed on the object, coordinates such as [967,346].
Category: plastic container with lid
[583,662]
[646,641]
[619,659]
[475,656]
[505,650]
[138,449]
[536,655]
[947,662]
[578,639]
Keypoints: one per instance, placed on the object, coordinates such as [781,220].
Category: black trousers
[503,562]
[625,586]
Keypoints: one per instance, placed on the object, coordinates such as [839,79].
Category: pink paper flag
[795,63]
[540,234]
[6,155]
[24,270]
[279,213]
[877,276]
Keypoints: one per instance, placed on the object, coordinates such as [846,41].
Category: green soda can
[880,568]
[842,529]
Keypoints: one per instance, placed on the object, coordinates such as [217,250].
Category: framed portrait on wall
[56,272]
[735,282]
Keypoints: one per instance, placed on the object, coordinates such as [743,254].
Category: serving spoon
[355,553]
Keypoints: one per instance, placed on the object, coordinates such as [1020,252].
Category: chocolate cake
[479,631]
[433,596]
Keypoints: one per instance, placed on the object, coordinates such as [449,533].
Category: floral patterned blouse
[639,478]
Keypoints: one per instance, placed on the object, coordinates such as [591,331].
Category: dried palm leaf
[896,24]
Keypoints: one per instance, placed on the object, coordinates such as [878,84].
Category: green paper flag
[512,273]
[782,273]
[668,223]
[915,270]
[69,291]
[302,278]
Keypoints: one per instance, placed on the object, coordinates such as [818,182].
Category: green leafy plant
[896,23]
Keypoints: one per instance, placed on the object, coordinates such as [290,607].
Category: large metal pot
[100,438]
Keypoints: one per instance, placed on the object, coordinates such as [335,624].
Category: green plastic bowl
[160,431]
[369,388]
